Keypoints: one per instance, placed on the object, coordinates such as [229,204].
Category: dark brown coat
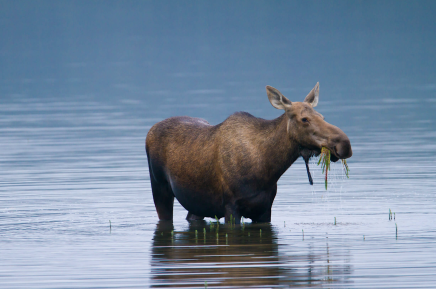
[233,168]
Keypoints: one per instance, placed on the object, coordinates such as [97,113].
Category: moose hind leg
[192,217]
[163,199]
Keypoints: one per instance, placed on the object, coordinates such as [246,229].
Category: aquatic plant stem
[324,161]
[346,169]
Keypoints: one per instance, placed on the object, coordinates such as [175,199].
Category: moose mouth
[307,153]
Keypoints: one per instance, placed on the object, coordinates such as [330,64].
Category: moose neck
[280,150]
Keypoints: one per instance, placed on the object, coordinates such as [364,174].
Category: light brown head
[308,128]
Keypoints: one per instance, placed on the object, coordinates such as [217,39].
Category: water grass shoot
[325,160]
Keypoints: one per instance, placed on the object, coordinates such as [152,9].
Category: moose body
[231,169]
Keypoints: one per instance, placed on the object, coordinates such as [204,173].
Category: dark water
[82,82]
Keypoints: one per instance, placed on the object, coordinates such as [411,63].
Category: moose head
[308,128]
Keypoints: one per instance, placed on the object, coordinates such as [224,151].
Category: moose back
[232,169]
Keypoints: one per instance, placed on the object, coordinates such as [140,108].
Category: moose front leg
[232,214]
[264,218]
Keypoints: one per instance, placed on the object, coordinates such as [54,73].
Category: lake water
[81,84]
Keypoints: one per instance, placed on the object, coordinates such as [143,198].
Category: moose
[231,169]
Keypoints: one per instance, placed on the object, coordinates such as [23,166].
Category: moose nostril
[343,149]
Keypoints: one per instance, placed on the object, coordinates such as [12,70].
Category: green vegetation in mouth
[324,161]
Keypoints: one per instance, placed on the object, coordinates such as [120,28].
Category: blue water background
[81,82]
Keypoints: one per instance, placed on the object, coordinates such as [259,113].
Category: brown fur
[233,168]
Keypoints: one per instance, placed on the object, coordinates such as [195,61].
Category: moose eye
[304,120]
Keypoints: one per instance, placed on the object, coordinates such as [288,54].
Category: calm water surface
[81,86]
[77,210]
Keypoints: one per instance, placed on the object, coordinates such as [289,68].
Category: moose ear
[277,99]
[313,97]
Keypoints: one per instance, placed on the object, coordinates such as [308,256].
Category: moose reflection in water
[231,169]
[248,256]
